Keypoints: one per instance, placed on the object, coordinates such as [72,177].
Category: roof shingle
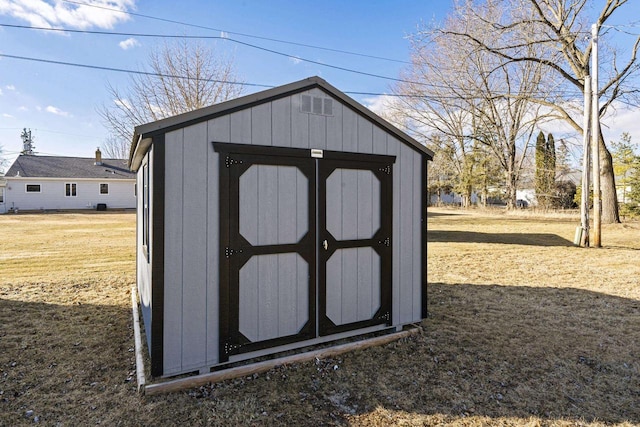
[28,166]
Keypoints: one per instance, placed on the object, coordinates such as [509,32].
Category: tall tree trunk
[511,178]
[609,197]
[511,185]
[511,195]
[484,196]
[466,199]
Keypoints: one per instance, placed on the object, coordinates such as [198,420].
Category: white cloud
[378,104]
[619,119]
[7,87]
[23,108]
[122,103]
[224,34]
[7,116]
[387,107]
[159,112]
[295,60]
[58,112]
[95,14]
[128,43]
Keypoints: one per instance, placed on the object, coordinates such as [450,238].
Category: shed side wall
[191,247]
[143,262]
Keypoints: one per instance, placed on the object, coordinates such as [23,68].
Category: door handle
[325,244]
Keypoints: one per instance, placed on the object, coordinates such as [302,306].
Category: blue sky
[58,103]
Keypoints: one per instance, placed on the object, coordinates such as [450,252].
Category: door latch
[325,245]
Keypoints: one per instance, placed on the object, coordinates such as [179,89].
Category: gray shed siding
[191,266]
[191,250]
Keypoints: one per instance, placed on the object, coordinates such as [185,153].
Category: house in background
[3,185]
[58,183]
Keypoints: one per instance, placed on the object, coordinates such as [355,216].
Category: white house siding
[52,194]
[191,267]
[3,205]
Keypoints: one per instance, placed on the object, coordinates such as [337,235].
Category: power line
[127,34]
[239,34]
[629,33]
[108,33]
[122,70]
[259,85]
[275,52]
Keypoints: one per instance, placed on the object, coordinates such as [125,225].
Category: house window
[104,188]
[145,209]
[70,189]
[1,195]
[33,188]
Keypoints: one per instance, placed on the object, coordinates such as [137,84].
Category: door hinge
[386,169]
[229,347]
[228,252]
[228,161]
[386,242]
[385,316]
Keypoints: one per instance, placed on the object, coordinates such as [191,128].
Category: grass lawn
[523,329]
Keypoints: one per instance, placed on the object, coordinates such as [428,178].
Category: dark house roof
[143,133]
[27,166]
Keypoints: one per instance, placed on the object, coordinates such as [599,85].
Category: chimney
[98,157]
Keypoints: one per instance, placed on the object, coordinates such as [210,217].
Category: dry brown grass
[524,329]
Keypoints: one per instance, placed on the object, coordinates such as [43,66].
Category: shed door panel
[270,294]
[355,244]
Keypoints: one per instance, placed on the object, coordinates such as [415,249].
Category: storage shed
[279,220]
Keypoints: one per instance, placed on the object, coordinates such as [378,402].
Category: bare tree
[3,160]
[470,96]
[434,108]
[560,43]
[114,147]
[183,77]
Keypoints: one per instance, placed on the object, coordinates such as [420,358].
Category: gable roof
[143,133]
[28,166]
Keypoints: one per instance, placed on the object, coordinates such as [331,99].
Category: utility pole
[595,135]
[27,142]
[586,141]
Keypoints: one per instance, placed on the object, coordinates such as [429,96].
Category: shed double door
[305,245]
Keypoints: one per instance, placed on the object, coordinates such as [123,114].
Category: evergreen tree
[623,153]
[550,160]
[545,178]
[634,184]
[550,171]
[541,176]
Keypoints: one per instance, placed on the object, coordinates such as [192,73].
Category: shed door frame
[235,159]
[381,167]
[235,250]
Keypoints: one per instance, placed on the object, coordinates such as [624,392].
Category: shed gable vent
[316,105]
